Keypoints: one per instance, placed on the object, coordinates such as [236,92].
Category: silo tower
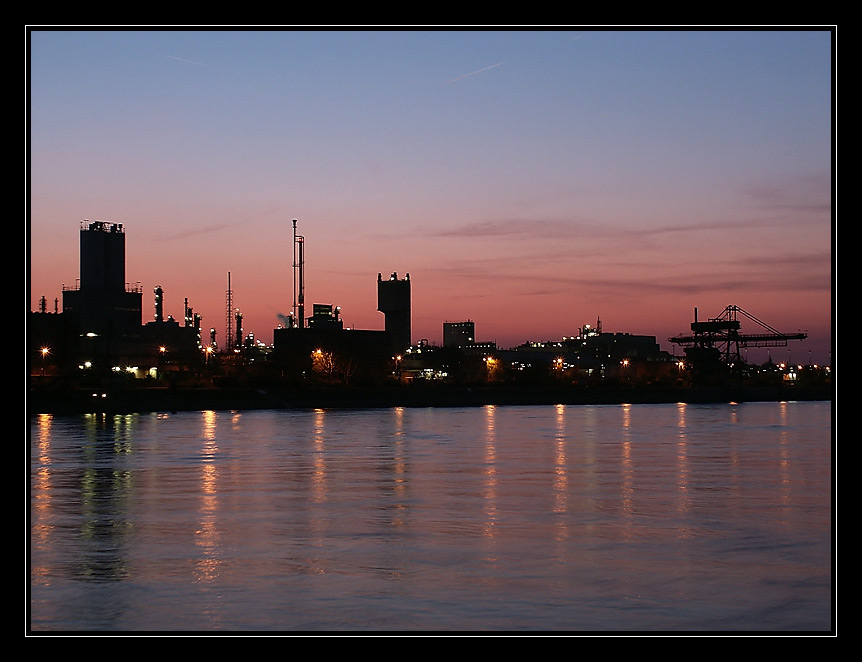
[103,257]
[393,300]
[103,301]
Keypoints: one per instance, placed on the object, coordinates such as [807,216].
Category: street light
[160,366]
[491,365]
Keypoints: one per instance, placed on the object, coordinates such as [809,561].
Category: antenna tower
[228,316]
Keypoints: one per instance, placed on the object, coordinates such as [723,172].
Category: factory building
[462,336]
[595,353]
[320,347]
[459,334]
[326,316]
[102,301]
[177,345]
[100,328]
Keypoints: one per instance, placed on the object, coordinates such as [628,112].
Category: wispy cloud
[625,282]
[509,227]
[473,73]
[563,228]
[195,232]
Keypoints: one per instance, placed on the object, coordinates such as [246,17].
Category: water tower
[393,300]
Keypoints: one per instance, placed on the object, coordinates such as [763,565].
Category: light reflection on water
[609,518]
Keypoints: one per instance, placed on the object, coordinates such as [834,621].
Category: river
[660,518]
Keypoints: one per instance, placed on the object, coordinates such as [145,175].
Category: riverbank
[140,400]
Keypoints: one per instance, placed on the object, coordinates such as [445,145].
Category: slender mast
[298,303]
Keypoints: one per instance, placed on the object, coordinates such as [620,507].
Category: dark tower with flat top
[393,300]
[102,302]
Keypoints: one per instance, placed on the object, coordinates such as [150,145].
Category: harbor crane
[721,337]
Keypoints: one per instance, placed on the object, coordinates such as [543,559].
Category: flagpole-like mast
[298,286]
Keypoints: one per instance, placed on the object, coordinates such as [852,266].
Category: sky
[531,180]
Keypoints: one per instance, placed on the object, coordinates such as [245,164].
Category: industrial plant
[97,342]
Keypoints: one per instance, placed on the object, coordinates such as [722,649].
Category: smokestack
[159,303]
[298,298]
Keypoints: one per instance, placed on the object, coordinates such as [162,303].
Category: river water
[568,519]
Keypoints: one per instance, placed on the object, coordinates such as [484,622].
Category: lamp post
[491,365]
[44,352]
[162,350]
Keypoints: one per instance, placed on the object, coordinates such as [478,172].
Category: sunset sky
[530,180]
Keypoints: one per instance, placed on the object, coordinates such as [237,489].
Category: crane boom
[723,333]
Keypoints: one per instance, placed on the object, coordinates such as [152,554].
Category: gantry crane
[721,335]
